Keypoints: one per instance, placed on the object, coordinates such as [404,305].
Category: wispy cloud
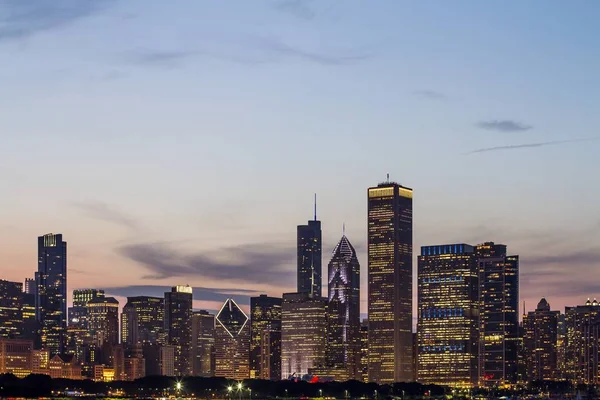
[104,212]
[531,145]
[505,125]
[250,263]
[430,94]
[297,8]
[22,18]
[160,58]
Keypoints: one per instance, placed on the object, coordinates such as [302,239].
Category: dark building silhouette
[232,342]
[498,315]
[178,327]
[309,257]
[51,295]
[203,343]
[11,310]
[448,316]
[540,335]
[265,319]
[142,320]
[343,311]
[389,239]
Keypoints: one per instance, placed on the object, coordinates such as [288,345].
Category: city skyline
[132,136]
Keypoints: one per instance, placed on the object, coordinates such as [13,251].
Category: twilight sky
[181,142]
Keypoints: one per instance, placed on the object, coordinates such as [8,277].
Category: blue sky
[182,142]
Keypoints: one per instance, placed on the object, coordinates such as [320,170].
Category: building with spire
[343,311]
[540,335]
[390,300]
[309,256]
[232,342]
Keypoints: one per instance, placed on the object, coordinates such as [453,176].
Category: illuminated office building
[561,343]
[232,342]
[203,343]
[499,318]
[364,351]
[11,309]
[448,316]
[265,318]
[309,257]
[270,355]
[343,311]
[178,327]
[16,357]
[51,294]
[303,334]
[582,347]
[142,320]
[77,313]
[389,239]
[540,328]
[103,321]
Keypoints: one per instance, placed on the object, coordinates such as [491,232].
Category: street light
[239,387]
[250,390]
[320,392]
[229,389]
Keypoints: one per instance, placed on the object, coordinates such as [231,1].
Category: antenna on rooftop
[315,206]
[388,177]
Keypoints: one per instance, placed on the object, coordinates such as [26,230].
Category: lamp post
[320,392]
[239,387]
[229,389]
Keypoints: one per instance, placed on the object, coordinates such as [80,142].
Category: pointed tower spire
[344,229]
[315,206]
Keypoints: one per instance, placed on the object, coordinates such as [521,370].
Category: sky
[182,142]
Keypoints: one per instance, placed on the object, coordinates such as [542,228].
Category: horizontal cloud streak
[250,263]
[506,125]
[531,145]
[103,212]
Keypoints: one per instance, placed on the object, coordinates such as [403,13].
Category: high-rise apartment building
[498,315]
[265,318]
[540,335]
[389,239]
[448,316]
[203,343]
[303,334]
[103,321]
[142,320]
[30,286]
[178,326]
[51,294]
[582,347]
[343,311]
[11,310]
[270,355]
[232,342]
[309,257]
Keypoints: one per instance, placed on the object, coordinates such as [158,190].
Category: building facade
[309,257]
[540,337]
[12,325]
[77,313]
[16,357]
[103,321]
[265,318]
[142,320]
[232,342]
[51,294]
[448,316]
[389,238]
[178,326]
[498,315]
[303,334]
[343,311]
[582,346]
[203,343]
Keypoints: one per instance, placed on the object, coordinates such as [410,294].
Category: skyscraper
[77,313]
[343,311]
[448,316]
[303,334]
[309,257]
[582,347]
[265,318]
[178,326]
[142,320]
[389,239]
[540,339]
[232,342]
[103,320]
[51,296]
[498,315]
[11,310]
[203,343]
